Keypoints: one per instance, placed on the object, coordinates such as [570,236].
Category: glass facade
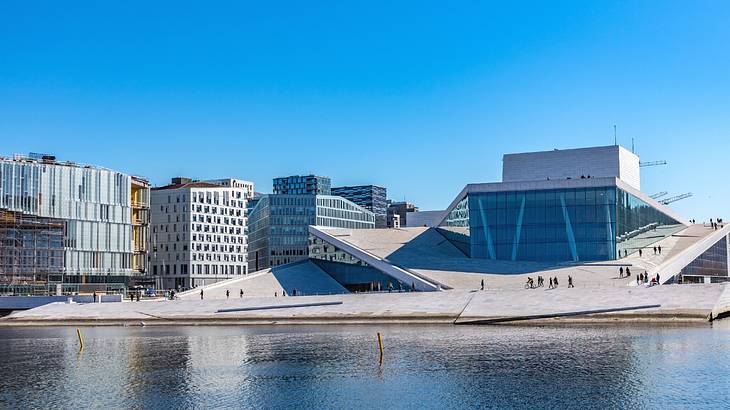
[575,224]
[279,225]
[350,272]
[105,215]
[370,197]
[713,263]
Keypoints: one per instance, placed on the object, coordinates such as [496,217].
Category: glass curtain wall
[640,224]
[551,225]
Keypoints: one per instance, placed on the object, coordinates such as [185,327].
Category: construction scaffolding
[31,249]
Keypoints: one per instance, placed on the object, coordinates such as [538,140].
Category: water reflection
[337,367]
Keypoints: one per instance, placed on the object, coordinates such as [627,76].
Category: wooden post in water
[380,345]
[81,339]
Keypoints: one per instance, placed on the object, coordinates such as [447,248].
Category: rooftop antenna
[614,135]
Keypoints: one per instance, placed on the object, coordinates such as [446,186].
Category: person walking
[555,282]
[655,250]
[570,282]
[201,294]
[276,295]
[94,296]
[659,248]
[637,280]
[228,293]
[138,294]
[621,272]
[482,284]
[551,283]
[657,278]
[628,272]
[640,253]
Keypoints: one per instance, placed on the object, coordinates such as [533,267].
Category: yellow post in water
[380,345]
[81,339]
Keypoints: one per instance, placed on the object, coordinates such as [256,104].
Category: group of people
[644,278]
[716,224]
[541,282]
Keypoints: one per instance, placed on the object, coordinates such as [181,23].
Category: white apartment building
[198,233]
[235,183]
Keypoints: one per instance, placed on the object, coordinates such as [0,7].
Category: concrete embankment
[661,304]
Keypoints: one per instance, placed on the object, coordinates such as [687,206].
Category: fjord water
[338,367]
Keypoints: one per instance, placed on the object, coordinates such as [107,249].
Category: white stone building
[198,233]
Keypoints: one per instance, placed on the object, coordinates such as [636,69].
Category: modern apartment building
[278,225]
[302,184]
[63,222]
[198,233]
[370,197]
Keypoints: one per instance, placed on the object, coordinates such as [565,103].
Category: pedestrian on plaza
[659,248]
[621,272]
[555,282]
[628,272]
[241,293]
[276,295]
[201,294]
[657,278]
[637,280]
[655,250]
[172,294]
[570,282]
[482,284]
[413,286]
[551,283]
[131,296]
[228,293]
[626,253]
[646,277]
[94,296]
[283,292]
[390,287]
[138,293]
[641,277]
[640,253]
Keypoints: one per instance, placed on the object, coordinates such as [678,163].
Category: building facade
[278,225]
[198,233]
[402,209]
[61,222]
[570,218]
[302,184]
[370,197]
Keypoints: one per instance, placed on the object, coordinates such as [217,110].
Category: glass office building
[302,185]
[370,197]
[582,223]
[279,225]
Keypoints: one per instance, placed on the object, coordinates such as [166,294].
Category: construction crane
[675,198]
[652,163]
[658,195]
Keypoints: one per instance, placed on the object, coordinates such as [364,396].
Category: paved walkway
[678,302]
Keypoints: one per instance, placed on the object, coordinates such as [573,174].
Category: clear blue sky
[419,97]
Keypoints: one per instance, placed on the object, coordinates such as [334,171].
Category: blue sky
[421,97]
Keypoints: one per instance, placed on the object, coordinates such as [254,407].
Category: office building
[278,225]
[198,233]
[402,209]
[302,184]
[370,197]
[68,223]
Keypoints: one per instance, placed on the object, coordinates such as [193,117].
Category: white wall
[610,161]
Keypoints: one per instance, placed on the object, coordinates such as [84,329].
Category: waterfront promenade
[667,303]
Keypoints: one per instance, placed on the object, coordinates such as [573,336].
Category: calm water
[337,367]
